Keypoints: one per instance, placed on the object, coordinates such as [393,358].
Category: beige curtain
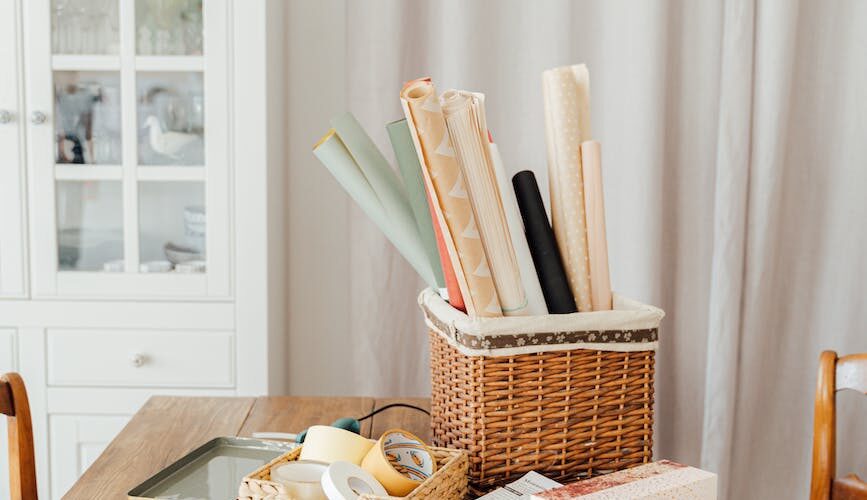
[735,170]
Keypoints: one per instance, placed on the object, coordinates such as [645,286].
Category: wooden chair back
[22,461]
[835,374]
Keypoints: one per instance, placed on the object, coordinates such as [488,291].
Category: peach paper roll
[566,91]
[594,210]
[425,118]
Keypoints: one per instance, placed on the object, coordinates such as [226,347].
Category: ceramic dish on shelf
[178,254]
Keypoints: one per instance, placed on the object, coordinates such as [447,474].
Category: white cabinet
[142,150]
[128,147]
[11,145]
[76,441]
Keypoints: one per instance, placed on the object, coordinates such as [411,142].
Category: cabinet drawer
[123,358]
[76,442]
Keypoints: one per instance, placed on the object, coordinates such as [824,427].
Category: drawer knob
[38,118]
[6,116]
[138,360]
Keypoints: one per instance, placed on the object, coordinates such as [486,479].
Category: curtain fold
[734,165]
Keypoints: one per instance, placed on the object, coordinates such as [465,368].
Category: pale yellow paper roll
[425,117]
[330,444]
[594,210]
[400,461]
[566,92]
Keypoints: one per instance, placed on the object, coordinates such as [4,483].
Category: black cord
[393,405]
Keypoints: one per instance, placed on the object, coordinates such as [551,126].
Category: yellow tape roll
[330,444]
[400,461]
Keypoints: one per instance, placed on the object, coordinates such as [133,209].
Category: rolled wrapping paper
[330,444]
[410,170]
[444,179]
[331,151]
[347,481]
[453,289]
[543,246]
[566,92]
[594,209]
[302,479]
[456,282]
[535,299]
[400,461]
[465,120]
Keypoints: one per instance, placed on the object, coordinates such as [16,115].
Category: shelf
[85,63]
[112,63]
[75,172]
[170,173]
[71,172]
[169,63]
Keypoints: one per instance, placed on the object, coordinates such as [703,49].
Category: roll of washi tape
[400,461]
[346,481]
[330,444]
[302,479]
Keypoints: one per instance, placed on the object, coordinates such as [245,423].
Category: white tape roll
[346,481]
[303,480]
[330,444]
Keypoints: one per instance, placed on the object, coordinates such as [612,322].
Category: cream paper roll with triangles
[566,92]
[425,117]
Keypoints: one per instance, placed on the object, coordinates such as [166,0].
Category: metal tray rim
[190,457]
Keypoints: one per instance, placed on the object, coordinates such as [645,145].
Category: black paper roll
[543,246]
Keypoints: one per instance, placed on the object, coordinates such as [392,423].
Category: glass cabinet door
[12,271]
[129,147]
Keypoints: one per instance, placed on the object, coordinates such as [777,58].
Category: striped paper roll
[465,120]
[566,91]
[425,118]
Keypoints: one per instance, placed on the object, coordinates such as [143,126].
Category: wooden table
[167,428]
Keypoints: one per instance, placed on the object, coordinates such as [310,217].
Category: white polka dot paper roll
[567,125]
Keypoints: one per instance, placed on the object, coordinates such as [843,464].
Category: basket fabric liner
[631,326]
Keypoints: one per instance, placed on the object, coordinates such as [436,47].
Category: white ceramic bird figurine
[167,143]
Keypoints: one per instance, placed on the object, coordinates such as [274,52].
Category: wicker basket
[570,396]
[449,482]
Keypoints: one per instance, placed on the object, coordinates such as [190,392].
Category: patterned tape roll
[400,461]
[330,444]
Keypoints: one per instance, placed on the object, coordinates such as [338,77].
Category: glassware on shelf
[169,27]
[172,225]
[171,118]
[87,107]
[89,225]
[85,27]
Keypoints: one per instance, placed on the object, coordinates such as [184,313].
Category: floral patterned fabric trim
[505,340]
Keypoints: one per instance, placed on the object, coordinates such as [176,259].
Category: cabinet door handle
[6,116]
[138,360]
[38,118]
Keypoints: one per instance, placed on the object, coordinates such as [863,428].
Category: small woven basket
[570,396]
[449,482]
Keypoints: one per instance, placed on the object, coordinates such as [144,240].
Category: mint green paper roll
[410,170]
[332,152]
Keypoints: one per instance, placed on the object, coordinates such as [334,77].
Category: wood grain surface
[294,414]
[164,430]
[22,459]
[167,428]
